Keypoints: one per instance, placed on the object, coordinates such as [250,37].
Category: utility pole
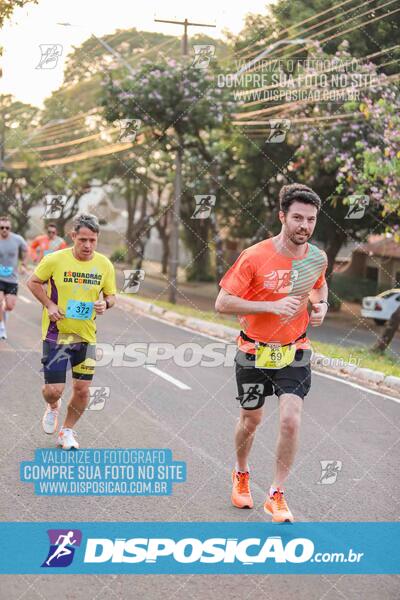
[185,24]
[2,141]
[176,209]
[3,112]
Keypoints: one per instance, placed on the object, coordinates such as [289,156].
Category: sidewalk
[385,380]
[345,328]
[198,295]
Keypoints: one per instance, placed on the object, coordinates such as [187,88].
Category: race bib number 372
[79,310]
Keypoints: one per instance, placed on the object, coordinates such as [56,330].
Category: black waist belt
[246,338]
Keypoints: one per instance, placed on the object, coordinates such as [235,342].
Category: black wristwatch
[324,302]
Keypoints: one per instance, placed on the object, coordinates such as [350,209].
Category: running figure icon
[62,549]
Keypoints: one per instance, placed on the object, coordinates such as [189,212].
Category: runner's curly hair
[300,193]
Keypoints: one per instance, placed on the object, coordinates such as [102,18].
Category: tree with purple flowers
[181,109]
[353,155]
[357,155]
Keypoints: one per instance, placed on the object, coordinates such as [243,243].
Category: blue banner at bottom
[200,548]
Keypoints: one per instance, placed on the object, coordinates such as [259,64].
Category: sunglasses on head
[5,227]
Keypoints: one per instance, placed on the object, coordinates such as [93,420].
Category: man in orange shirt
[45,244]
[269,287]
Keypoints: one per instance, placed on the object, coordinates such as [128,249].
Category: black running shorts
[9,288]
[254,385]
[58,358]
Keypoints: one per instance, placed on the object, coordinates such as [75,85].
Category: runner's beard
[294,237]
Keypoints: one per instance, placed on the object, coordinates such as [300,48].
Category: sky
[36,25]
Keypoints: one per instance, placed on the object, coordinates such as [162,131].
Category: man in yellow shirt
[75,279]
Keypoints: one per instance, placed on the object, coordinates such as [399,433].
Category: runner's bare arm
[319,308]
[318,294]
[110,300]
[100,306]
[234,305]
[35,285]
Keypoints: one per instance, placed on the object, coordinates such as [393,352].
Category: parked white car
[381,307]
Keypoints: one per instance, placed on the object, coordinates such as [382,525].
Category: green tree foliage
[7,8]
[179,106]
[19,188]
[368,34]
[356,156]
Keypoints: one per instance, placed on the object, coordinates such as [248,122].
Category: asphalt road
[194,414]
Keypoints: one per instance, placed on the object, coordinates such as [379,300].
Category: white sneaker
[66,439]
[50,418]
[3,332]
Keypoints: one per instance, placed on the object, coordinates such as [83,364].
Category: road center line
[167,377]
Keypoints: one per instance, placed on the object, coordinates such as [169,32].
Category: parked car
[381,307]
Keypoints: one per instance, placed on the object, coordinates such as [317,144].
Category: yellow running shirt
[74,285]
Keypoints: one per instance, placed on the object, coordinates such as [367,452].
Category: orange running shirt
[262,273]
[42,245]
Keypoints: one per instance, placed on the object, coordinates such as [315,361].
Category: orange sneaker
[277,507]
[241,495]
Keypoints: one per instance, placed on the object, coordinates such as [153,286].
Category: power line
[359,26]
[304,119]
[297,81]
[59,129]
[35,136]
[44,130]
[362,24]
[315,16]
[294,105]
[338,34]
[95,152]
[341,33]
[74,142]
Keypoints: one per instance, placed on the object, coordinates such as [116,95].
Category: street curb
[320,362]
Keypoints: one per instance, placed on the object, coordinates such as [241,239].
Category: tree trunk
[389,333]
[196,235]
[165,251]
[332,249]
[333,246]
[22,219]
[67,215]
[131,202]
[139,232]
[219,250]
[142,233]
[165,257]
[161,218]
